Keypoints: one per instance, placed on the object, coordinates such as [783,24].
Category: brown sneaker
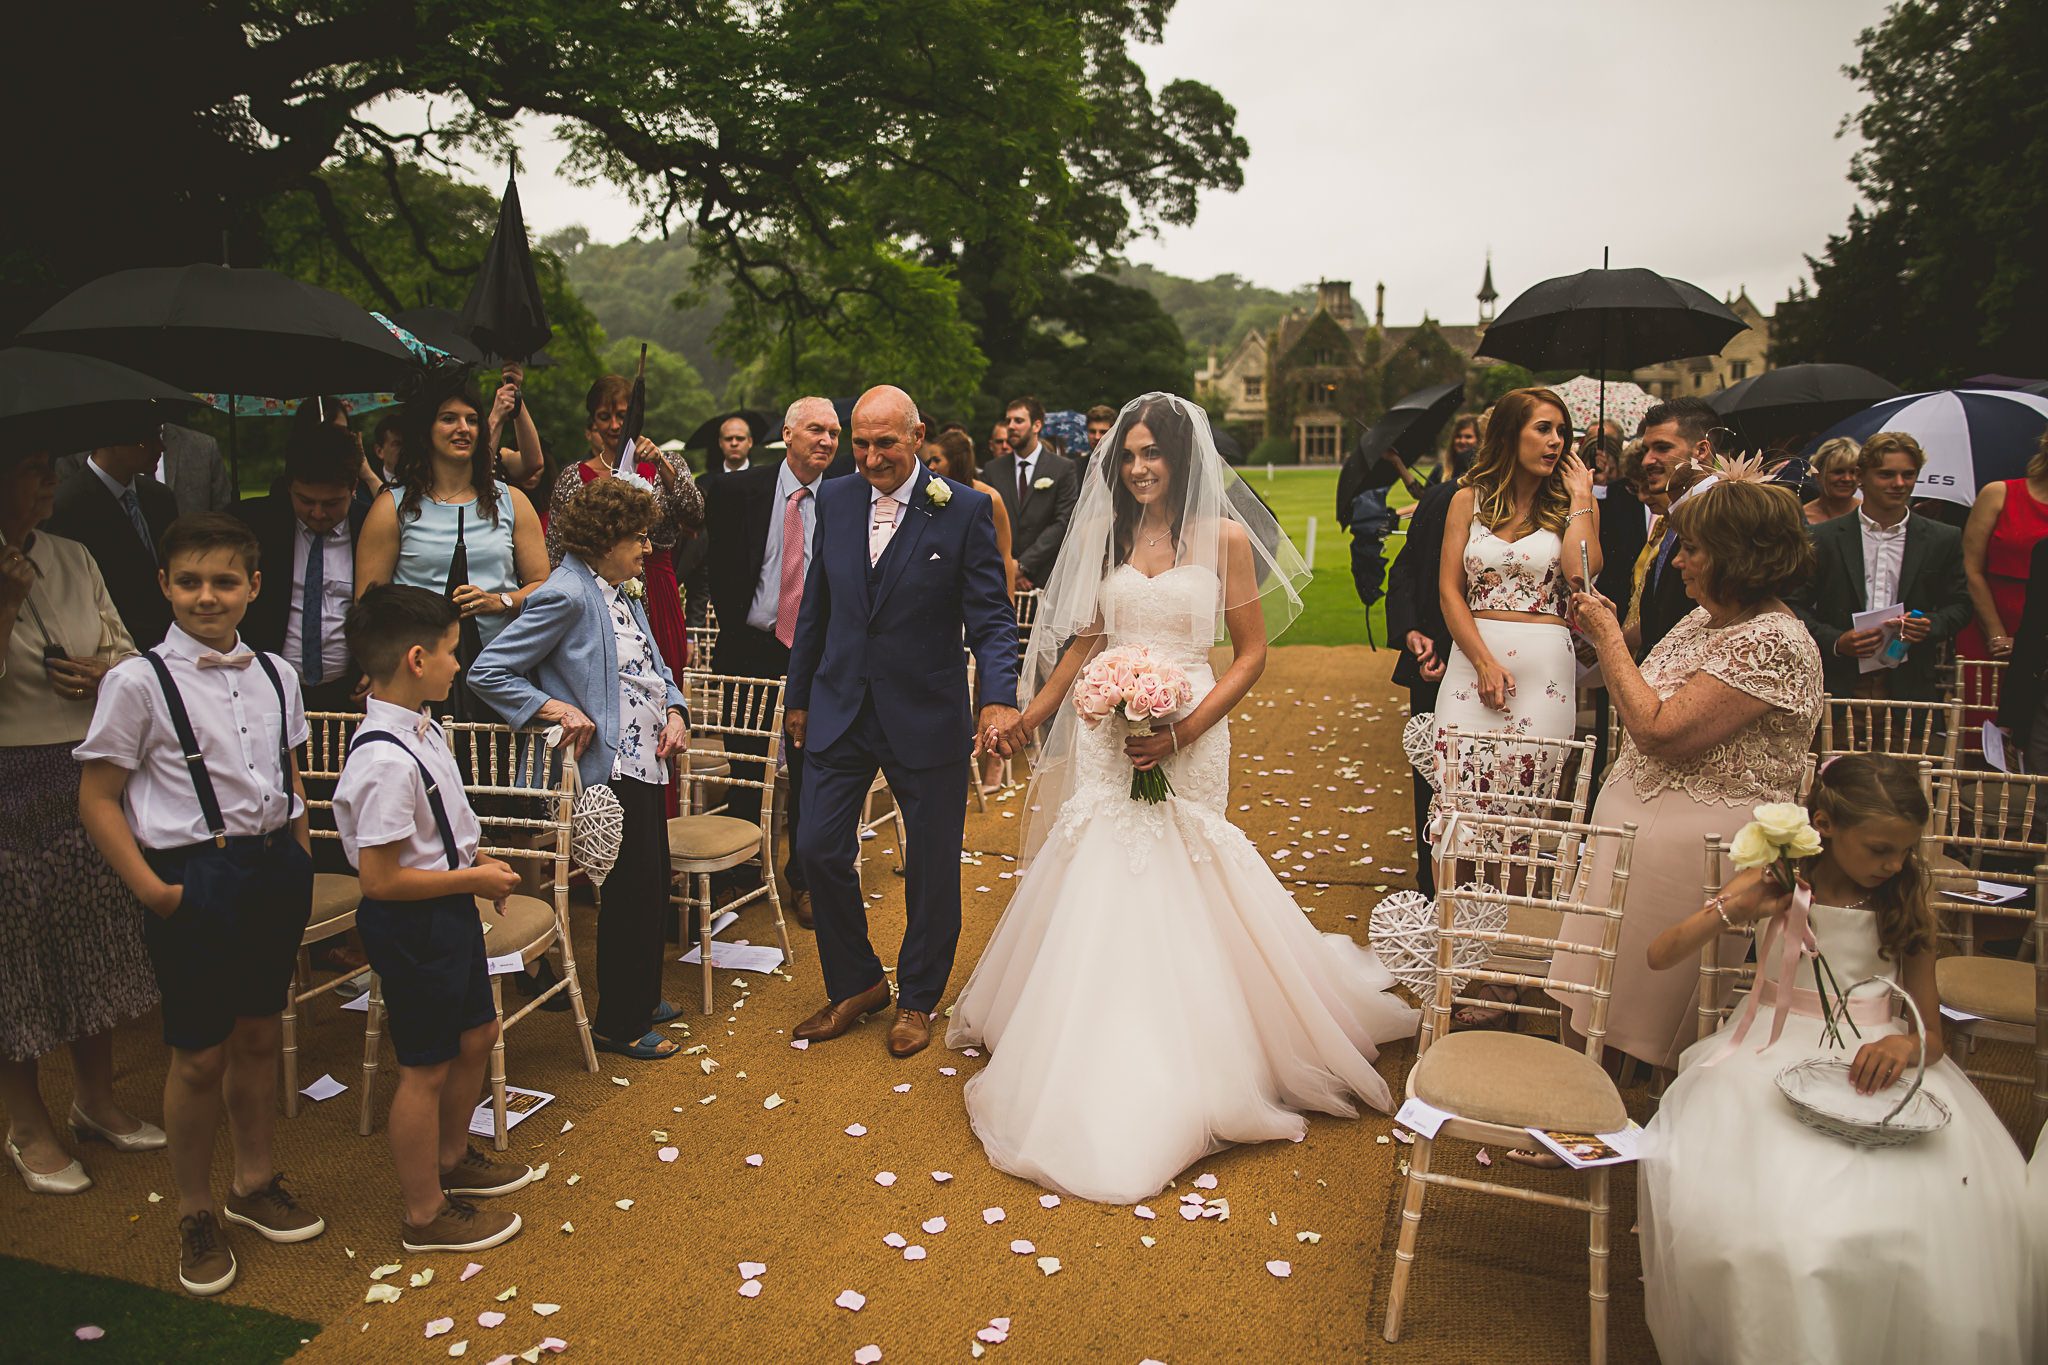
[460,1226]
[205,1264]
[480,1176]
[273,1212]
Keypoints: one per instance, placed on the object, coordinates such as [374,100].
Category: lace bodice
[1514,575]
[1769,656]
[1167,613]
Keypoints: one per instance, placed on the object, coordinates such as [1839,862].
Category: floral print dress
[642,693]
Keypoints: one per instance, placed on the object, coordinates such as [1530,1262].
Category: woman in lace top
[1717,720]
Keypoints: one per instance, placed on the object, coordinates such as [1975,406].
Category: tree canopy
[1942,272]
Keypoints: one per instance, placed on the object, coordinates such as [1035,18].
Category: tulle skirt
[1153,994]
[1766,1241]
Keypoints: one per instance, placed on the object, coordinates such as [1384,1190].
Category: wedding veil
[1212,510]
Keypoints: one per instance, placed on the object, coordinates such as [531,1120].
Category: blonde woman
[1835,468]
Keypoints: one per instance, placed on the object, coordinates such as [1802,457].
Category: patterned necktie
[884,526]
[789,593]
[133,506]
[309,617]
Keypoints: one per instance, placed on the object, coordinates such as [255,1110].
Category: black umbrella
[215,329]
[53,401]
[1410,427]
[504,314]
[2038,387]
[705,437]
[636,415]
[1609,319]
[1226,445]
[442,328]
[1798,399]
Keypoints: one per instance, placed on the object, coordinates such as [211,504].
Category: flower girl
[1766,1240]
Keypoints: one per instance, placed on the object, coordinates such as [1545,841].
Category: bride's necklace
[1154,540]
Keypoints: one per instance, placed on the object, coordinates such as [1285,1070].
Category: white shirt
[768,587]
[381,798]
[1884,550]
[1026,462]
[235,719]
[337,591]
[119,490]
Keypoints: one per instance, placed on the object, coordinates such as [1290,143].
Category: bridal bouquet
[1780,833]
[1129,680]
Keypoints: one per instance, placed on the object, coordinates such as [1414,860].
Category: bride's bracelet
[1173,735]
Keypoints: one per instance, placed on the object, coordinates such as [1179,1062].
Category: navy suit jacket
[900,642]
[561,646]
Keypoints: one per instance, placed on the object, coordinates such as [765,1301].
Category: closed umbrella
[1972,437]
[1797,399]
[442,328]
[54,401]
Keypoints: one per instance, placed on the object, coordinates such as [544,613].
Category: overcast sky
[1399,140]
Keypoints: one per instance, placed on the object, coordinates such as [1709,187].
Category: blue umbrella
[1972,437]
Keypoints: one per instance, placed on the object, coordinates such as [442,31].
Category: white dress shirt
[337,591]
[381,798]
[119,490]
[1027,464]
[768,587]
[235,719]
[1884,550]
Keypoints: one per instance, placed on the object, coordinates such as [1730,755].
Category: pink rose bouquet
[1144,689]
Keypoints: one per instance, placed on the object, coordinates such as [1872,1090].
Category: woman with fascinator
[1153,992]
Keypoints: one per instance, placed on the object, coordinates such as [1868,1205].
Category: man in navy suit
[903,566]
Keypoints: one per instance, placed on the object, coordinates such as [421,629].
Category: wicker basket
[1824,1098]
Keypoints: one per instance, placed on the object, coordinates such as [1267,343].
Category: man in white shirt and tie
[119,514]
[761,522]
[1038,488]
[1883,554]
[305,596]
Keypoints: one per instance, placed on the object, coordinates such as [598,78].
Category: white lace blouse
[1771,657]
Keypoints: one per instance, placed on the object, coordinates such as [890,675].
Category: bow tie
[241,659]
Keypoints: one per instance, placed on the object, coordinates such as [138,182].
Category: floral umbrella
[1626,402]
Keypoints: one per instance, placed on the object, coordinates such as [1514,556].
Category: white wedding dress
[1768,1242]
[1153,993]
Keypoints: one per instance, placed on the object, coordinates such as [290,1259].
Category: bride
[1153,993]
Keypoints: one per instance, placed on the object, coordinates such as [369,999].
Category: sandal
[1478,1016]
[649,1048]
[666,1011]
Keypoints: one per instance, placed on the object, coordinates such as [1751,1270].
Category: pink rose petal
[752,1270]
[867,1355]
[903,1089]
[668,1154]
[942,1176]
[913,1253]
[1204,1181]
[994,1336]
[553,1345]
[439,1326]
[1190,1212]
[90,1333]
[934,1224]
[993,1216]
[897,1240]
[851,1300]
[1483,1157]
[1143,1212]
[856,1130]
[490,1319]
[1022,1247]
[1279,1270]
[885,1178]
[949,1071]
[471,1269]
[802,1045]
[754,1160]
[1048,1201]
[750,1289]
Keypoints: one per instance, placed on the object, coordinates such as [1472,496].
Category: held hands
[1881,1062]
[999,730]
[675,736]
[1496,685]
[577,729]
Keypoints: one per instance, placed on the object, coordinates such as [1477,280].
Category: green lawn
[46,1306]
[1331,612]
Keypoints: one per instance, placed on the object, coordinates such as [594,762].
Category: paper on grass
[740,957]
[326,1088]
[519,1104]
[1581,1150]
[1868,620]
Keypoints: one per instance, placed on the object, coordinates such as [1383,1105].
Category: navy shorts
[227,951]
[429,956]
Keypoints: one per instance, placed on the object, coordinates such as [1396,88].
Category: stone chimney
[1334,296]
[1379,305]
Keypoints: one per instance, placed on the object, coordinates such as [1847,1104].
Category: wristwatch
[511,604]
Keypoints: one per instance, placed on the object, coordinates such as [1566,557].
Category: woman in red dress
[678,515]
[2009,518]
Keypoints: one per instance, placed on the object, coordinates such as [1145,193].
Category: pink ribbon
[1794,931]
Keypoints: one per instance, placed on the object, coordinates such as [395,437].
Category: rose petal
[802,1045]
[867,1355]
[1190,1212]
[934,1224]
[1483,1157]
[381,1271]
[553,1345]
[440,1327]
[382,1293]
[511,1292]
[623,1203]
[1143,1212]
[1205,1181]
[547,1310]
[851,1300]
[856,1130]
[773,1101]
[90,1333]
[903,1089]
[942,1176]
[994,1336]
[1000,1324]
[1048,1201]
[1279,1270]
[897,1240]
[993,1216]
[752,1270]
[885,1178]
[471,1269]
[667,1154]
[1022,1247]
[750,1289]
[459,1348]
[489,1319]
[754,1160]
[1049,1264]
[949,1071]
[913,1253]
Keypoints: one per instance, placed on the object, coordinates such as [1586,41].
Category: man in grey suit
[191,468]
[1038,489]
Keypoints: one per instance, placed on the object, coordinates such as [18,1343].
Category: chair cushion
[1519,1081]
[527,921]
[335,898]
[1988,987]
[704,838]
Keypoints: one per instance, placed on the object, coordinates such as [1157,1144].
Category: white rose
[1041,485]
[1805,844]
[1752,847]
[1781,820]
[937,492]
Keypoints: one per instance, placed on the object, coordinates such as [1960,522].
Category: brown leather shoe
[910,1034]
[841,1015]
[800,906]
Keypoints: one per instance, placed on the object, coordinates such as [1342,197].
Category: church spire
[1487,293]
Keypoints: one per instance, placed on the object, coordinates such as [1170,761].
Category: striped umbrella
[1972,437]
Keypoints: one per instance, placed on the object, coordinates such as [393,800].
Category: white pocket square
[935,555]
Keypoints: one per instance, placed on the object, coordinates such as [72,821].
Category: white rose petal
[1049,1264]
[1279,1270]
[851,1300]
[1022,1247]
[750,1289]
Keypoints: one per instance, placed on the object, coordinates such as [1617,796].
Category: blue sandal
[666,1011]
[647,1049]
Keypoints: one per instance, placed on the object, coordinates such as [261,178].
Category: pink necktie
[789,596]
[884,526]
[212,660]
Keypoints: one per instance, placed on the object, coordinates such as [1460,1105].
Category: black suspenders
[195,761]
[426,780]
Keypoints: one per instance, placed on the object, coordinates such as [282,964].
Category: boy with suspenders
[408,828]
[191,794]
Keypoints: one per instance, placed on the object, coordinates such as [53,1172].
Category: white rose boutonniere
[634,589]
[937,492]
[1040,485]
